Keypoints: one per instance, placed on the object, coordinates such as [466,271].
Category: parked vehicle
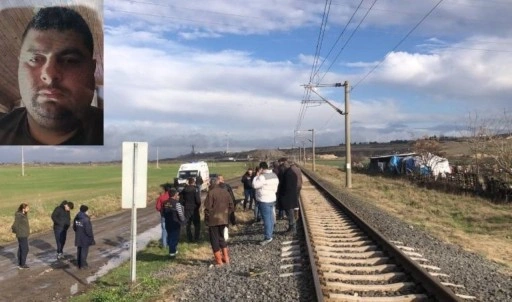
[193,169]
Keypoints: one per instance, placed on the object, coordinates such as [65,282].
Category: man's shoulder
[269,175]
[93,127]
[11,126]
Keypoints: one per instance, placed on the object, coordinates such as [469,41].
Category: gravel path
[253,274]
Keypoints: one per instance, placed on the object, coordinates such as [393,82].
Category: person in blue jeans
[174,215]
[164,196]
[265,183]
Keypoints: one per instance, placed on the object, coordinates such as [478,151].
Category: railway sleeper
[393,288]
[348,249]
[340,240]
[345,244]
[338,233]
[388,277]
[383,268]
[351,255]
[353,262]
[357,298]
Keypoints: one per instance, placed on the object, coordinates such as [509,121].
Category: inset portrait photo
[51,72]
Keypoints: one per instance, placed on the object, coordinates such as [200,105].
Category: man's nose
[51,72]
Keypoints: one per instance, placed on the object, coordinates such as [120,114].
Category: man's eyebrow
[67,51]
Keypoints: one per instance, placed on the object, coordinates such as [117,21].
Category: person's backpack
[168,207]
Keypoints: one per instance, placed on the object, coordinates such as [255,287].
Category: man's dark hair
[61,19]
[264,165]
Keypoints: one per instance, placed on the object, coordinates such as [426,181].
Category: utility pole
[348,167]
[22,163]
[304,152]
[347,136]
[313,142]
[300,154]
[157,166]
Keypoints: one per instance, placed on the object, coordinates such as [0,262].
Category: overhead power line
[339,37]
[349,38]
[319,42]
[397,45]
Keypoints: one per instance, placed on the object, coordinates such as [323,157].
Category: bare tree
[490,142]
[426,145]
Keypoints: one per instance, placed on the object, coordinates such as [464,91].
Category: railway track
[351,261]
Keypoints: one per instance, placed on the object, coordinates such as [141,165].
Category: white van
[193,169]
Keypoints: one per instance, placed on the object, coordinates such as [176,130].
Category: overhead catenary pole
[347,136]
[348,167]
[300,154]
[304,152]
[313,142]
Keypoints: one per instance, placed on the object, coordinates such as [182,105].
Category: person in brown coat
[217,208]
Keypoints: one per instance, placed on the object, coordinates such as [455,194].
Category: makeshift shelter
[387,163]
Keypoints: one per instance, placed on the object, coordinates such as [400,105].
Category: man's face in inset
[56,78]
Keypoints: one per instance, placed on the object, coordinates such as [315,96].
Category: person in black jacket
[21,228]
[248,189]
[174,217]
[84,236]
[191,200]
[61,221]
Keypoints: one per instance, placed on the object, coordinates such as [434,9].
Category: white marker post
[135,183]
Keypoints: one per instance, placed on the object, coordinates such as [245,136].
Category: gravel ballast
[253,274]
[480,277]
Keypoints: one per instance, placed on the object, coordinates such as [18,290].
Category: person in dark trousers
[288,198]
[21,228]
[174,217]
[61,222]
[248,189]
[199,182]
[164,196]
[84,236]
[257,213]
[218,206]
[282,165]
[297,172]
[192,202]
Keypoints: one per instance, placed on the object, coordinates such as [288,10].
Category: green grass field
[44,187]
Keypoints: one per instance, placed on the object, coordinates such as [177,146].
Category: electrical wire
[339,37]
[349,39]
[397,45]
[306,96]
[319,42]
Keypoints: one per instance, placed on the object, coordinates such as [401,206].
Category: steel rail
[419,274]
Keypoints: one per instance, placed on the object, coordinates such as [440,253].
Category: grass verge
[156,278]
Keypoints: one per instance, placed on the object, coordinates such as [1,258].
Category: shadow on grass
[148,256]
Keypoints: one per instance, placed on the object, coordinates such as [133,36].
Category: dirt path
[52,280]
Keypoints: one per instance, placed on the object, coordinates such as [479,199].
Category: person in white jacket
[265,183]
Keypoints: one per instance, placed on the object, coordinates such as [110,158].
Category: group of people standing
[183,208]
[61,218]
[263,186]
[270,188]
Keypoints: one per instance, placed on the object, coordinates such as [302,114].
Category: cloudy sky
[221,74]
